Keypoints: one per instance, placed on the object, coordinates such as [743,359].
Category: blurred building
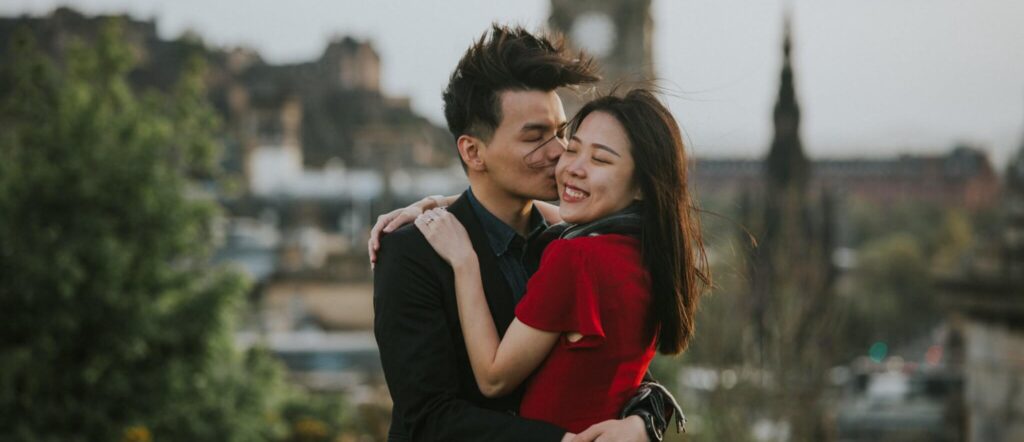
[899,405]
[327,362]
[987,314]
[617,33]
[332,109]
[964,177]
[790,276]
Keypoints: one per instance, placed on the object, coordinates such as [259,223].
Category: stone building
[790,275]
[617,33]
[963,177]
[325,107]
[986,305]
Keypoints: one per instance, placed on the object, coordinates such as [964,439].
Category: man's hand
[568,437]
[630,429]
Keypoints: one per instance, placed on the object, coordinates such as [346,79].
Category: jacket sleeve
[418,357]
[656,406]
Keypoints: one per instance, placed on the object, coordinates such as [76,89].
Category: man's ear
[469,149]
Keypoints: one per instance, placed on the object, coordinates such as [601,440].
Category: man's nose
[555,148]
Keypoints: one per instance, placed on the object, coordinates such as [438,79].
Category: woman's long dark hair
[671,243]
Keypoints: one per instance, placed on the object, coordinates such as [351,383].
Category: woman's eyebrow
[603,147]
[596,145]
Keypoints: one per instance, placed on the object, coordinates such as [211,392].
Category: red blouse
[598,287]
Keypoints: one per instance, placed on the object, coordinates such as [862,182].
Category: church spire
[787,165]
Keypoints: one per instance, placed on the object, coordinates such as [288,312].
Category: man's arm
[656,406]
[651,407]
[418,356]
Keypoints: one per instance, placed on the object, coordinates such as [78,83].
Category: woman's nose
[577,167]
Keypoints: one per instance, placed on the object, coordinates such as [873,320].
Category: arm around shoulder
[418,355]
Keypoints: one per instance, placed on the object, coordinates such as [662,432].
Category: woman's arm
[394,219]
[499,366]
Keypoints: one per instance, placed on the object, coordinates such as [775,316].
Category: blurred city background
[186,190]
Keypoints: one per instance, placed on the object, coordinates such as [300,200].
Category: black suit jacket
[422,350]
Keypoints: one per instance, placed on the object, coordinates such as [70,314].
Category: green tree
[891,299]
[114,324]
[900,250]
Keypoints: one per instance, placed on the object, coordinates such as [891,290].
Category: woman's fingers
[426,224]
[403,217]
[374,244]
[399,221]
[394,219]
[440,214]
[379,228]
[387,223]
[446,235]
[421,223]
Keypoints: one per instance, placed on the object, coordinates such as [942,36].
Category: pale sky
[874,77]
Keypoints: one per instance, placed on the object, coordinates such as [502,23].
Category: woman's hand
[447,236]
[394,219]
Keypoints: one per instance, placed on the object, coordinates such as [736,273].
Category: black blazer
[422,350]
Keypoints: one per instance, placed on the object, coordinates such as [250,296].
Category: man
[509,124]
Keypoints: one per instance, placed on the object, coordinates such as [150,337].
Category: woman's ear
[469,149]
[638,195]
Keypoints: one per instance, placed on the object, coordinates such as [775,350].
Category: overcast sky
[874,77]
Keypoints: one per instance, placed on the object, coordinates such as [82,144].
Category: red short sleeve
[562,297]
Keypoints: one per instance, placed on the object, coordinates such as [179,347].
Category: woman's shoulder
[589,246]
[596,242]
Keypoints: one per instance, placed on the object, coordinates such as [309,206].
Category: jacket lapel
[496,289]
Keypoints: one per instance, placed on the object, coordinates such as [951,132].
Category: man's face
[521,156]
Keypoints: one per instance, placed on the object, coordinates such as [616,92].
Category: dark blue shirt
[509,246]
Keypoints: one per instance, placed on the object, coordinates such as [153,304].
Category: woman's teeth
[575,194]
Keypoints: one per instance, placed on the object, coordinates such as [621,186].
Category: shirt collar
[499,234]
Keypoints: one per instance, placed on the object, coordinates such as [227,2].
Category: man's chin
[539,193]
[547,196]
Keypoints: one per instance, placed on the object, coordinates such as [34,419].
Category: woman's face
[595,173]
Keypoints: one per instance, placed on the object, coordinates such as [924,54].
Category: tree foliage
[114,324]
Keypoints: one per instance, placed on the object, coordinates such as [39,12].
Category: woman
[623,279]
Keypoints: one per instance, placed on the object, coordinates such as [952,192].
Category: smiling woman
[622,280]
[595,174]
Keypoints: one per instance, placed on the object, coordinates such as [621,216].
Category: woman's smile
[573,194]
[595,173]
